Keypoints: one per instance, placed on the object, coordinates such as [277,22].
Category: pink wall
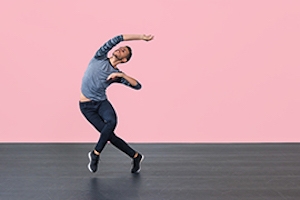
[217,71]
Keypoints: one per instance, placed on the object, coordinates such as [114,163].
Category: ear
[124,60]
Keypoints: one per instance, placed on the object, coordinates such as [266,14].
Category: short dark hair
[130,53]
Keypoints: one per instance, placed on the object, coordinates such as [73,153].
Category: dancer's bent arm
[125,79]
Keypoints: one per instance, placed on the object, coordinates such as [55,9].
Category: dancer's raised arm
[128,37]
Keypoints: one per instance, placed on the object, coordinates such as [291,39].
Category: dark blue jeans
[103,117]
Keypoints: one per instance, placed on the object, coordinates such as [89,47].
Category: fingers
[109,77]
[148,37]
[114,75]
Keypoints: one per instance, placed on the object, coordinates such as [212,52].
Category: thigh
[107,112]
[90,112]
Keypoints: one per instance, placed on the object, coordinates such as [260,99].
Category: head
[123,54]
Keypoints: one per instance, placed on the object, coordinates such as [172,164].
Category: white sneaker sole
[138,171]
[88,166]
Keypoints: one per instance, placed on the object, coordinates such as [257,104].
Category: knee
[112,137]
[112,123]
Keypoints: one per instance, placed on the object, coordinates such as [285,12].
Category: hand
[147,37]
[114,75]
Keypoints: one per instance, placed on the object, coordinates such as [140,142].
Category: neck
[114,61]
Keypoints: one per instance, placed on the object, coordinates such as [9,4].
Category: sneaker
[93,164]
[136,163]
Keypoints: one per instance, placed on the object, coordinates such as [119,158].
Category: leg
[108,114]
[103,117]
[96,113]
[90,111]
[137,158]
[122,145]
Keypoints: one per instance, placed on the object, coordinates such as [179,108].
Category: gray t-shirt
[94,81]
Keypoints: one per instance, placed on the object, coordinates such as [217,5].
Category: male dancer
[94,105]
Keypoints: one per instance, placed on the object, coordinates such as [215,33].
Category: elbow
[138,86]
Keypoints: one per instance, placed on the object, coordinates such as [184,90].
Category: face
[121,53]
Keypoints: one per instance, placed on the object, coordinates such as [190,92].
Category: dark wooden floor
[169,172]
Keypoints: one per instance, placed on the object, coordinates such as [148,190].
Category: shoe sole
[90,158]
[138,171]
